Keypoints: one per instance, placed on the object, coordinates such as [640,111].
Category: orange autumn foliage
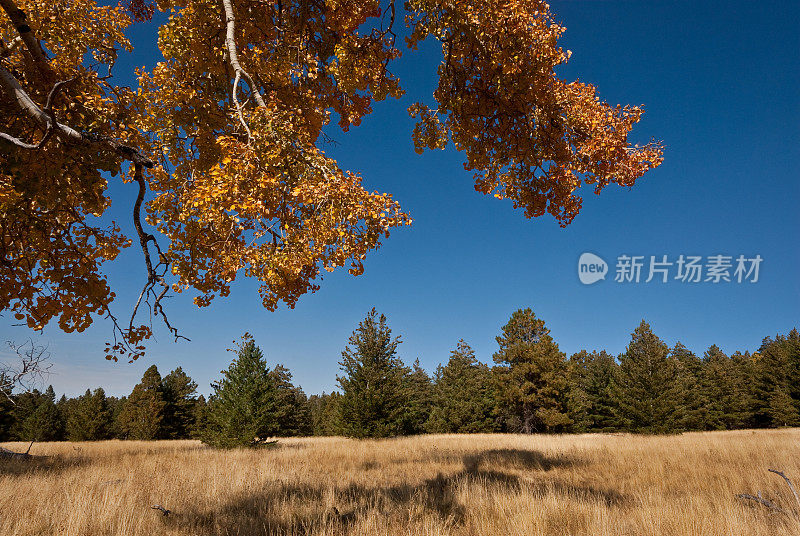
[226,131]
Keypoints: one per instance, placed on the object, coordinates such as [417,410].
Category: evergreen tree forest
[530,387]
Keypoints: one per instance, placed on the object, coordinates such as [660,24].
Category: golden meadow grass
[426,485]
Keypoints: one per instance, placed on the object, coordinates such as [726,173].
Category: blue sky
[720,85]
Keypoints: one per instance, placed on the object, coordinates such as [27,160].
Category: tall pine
[180,401]
[463,395]
[6,408]
[725,389]
[531,376]
[142,414]
[373,399]
[418,389]
[695,399]
[291,405]
[776,374]
[647,388]
[242,409]
[37,417]
[591,400]
[89,417]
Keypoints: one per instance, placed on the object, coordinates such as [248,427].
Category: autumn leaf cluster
[225,136]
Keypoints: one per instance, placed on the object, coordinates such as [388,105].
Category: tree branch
[46,117]
[788,483]
[32,366]
[19,20]
[154,277]
[233,57]
[762,501]
[13,88]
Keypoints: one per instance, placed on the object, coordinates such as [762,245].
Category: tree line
[532,387]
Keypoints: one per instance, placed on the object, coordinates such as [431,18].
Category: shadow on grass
[40,464]
[529,460]
[283,509]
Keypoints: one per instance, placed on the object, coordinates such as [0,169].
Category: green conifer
[647,389]
[179,392]
[726,394]
[142,413]
[591,399]
[373,398]
[89,418]
[242,409]
[531,376]
[463,395]
[291,405]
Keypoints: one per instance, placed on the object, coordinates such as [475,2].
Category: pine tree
[142,413]
[776,369]
[695,401]
[242,410]
[647,389]
[418,389]
[291,405]
[463,395]
[6,409]
[743,369]
[199,418]
[793,363]
[325,414]
[725,391]
[531,376]
[372,403]
[115,407]
[89,418]
[591,400]
[782,410]
[24,405]
[37,417]
[179,410]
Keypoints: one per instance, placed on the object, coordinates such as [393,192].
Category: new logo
[591,268]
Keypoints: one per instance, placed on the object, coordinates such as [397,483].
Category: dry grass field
[431,485]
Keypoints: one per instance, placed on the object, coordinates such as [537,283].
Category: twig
[32,367]
[160,508]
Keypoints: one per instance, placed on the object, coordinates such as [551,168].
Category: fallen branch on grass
[791,486]
[163,510]
[771,505]
[5,453]
[762,501]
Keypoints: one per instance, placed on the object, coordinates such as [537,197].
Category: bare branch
[762,501]
[771,505]
[789,483]
[230,42]
[10,84]
[30,368]
[7,50]
[161,509]
[46,118]
[19,143]
[155,272]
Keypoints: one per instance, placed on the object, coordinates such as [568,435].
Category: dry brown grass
[432,485]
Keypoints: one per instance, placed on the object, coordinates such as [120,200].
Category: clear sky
[720,83]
